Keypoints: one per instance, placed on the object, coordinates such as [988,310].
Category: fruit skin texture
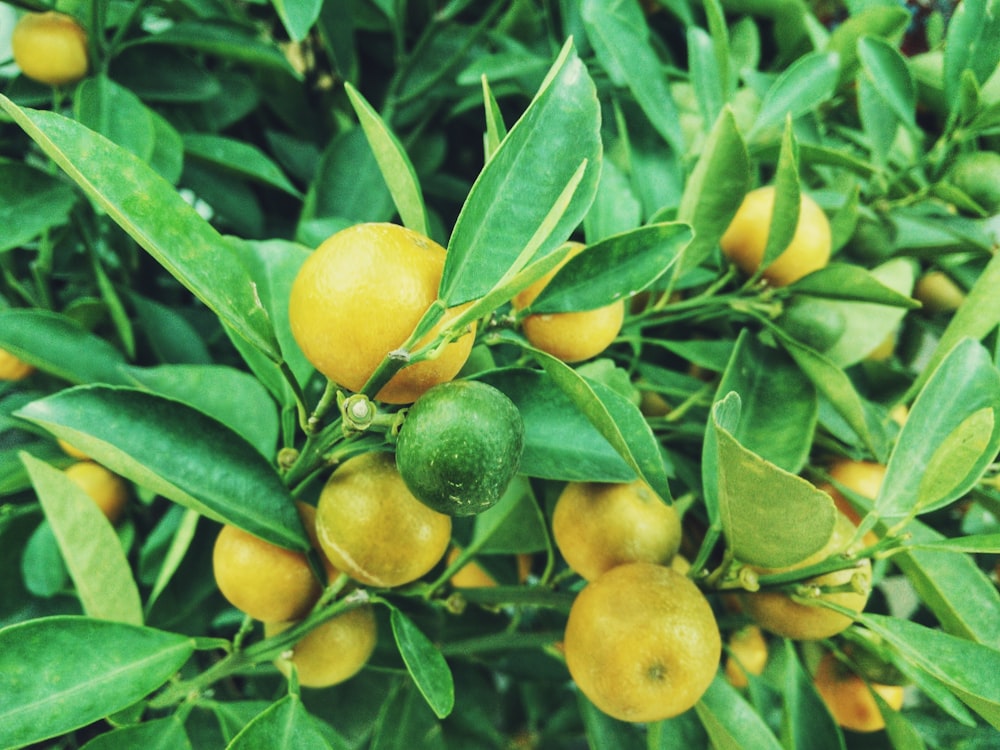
[50,48]
[778,613]
[371,526]
[12,367]
[747,653]
[460,446]
[108,490]
[848,698]
[333,651]
[938,293]
[268,582]
[746,237]
[360,295]
[978,176]
[598,526]
[642,642]
[569,336]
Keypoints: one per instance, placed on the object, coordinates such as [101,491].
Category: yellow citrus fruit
[569,336]
[267,582]
[50,48]
[848,697]
[747,652]
[746,237]
[12,367]
[70,451]
[371,526]
[108,490]
[778,613]
[642,642]
[360,295]
[333,651]
[864,478]
[938,293]
[599,525]
[472,575]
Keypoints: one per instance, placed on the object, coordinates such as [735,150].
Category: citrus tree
[499,374]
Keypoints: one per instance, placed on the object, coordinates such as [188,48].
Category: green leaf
[156,734]
[604,731]
[515,524]
[89,545]
[950,438]
[560,443]
[885,68]
[806,720]
[706,79]
[286,725]
[425,663]
[395,165]
[787,200]
[803,86]
[496,128]
[175,450]
[883,21]
[867,324]
[616,208]
[778,407]
[31,201]
[770,516]
[731,722]
[506,218]
[613,269]
[619,34]
[851,283]
[233,397]
[297,16]
[149,209]
[977,316]
[116,113]
[227,39]
[715,189]
[987,544]
[952,586]
[969,669]
[175,554]
[61,673]
[833,384]
[238,158]
[58,345]
[617,419]
[972,43]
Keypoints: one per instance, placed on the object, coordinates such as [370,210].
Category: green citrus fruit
[459,447]
[978,176]
[816,324]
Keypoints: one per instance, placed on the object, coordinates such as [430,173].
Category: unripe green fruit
[459,447]
[978,176]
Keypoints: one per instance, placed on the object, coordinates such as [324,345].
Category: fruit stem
[399,358]
[267,649]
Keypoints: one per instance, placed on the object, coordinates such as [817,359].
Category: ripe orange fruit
[569,336]
[333,651]
[642,642]
[12,367]
[848,697]
[778,613]
[748,652]
[746,237]
[360,295]
[50,48]
[268,582]
[108,490]
[371,526]
[600,525]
